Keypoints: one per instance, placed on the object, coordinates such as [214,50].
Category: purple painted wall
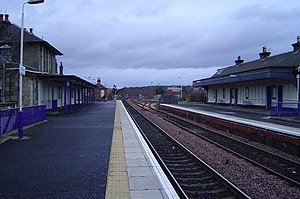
[31,115]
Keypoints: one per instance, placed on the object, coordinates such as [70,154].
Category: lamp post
[152,94]
[22,68]
[180,88]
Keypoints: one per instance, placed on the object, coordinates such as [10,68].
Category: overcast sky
[136,42]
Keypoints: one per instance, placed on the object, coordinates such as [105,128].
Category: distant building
[173,91]
[146,92]
[171,95]
[270,82]
[100,91]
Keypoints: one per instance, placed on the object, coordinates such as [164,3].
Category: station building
[44,82]
[270,82]
[100,91]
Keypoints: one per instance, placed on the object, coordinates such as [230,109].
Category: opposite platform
[250,119]
[133,171]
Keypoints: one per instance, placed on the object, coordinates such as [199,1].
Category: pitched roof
[15,32]
[100,86]
[280,66]
[286,60]
[66,78]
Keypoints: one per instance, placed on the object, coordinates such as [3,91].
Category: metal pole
[180,88]
[181,92]
[20,129]
[152,95]
[22,69]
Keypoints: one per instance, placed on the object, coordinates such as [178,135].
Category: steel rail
[187,179]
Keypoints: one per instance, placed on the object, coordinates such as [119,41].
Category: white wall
[256,94]
[289,99]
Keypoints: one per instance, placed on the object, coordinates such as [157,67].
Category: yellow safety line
[117,180]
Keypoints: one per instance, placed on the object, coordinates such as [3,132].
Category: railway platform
[65,157]
[95,153]
[252,117]
[133,170]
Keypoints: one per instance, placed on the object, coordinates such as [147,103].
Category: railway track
[190,176]
[284,168]
[277,165]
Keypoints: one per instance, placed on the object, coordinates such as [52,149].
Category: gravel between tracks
[252,180]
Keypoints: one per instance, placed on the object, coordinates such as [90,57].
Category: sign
[22,70]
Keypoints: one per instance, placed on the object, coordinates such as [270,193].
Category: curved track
[279,166]
[274,164]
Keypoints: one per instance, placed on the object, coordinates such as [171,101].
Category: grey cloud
[268,13]
[170,35]
[151,9]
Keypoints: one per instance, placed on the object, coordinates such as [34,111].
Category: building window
[247,93]
[46,60]
[224,92]
[59,93]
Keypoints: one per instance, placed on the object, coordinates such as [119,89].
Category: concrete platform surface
[145,177]
[95,153]
[242,116]
[67,157]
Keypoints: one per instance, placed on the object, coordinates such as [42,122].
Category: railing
[285,109]
[31,115]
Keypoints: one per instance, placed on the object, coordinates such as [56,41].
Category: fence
[285,109]
[31,115]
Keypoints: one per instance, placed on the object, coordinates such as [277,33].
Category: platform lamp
[22,68]
[180,88]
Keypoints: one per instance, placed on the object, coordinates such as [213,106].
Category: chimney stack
[264,54]
[31,30]
[239,61]
[61,69]
[297,44]
[6,17]
[98,80]
[1,17]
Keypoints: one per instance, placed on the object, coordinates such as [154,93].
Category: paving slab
[146,178]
